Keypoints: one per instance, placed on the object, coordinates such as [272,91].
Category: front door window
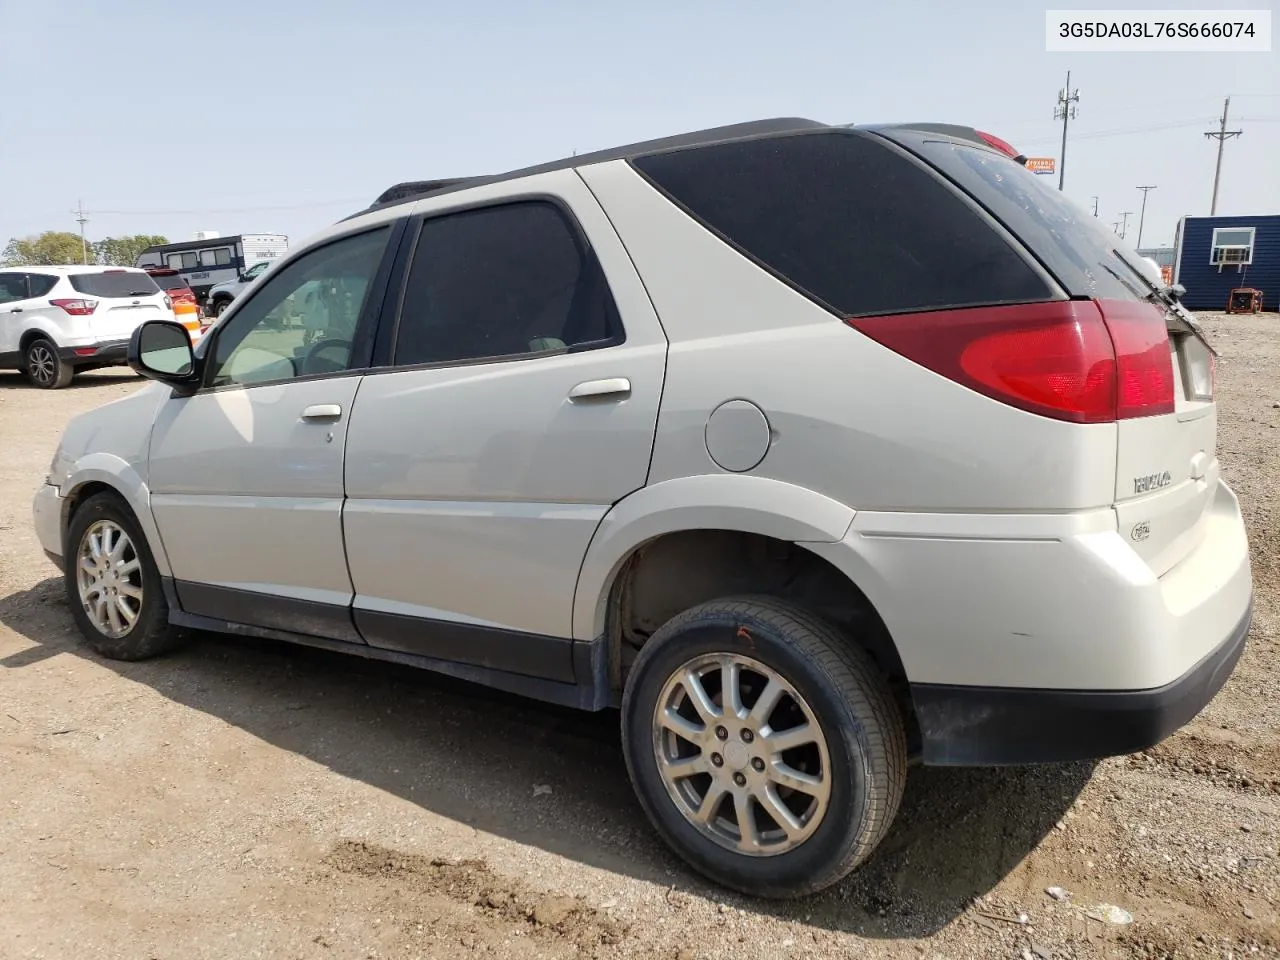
[302,322]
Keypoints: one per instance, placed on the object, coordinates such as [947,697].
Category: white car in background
[57,320]
[221,294]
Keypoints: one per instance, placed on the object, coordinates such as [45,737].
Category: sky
[283,116]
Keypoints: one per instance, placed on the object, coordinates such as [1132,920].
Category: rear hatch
[1166,458]
[172,283]
[125,298]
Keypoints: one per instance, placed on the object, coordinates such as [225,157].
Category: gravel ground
[247,799]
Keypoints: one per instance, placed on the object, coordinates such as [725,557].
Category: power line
[1125,131]
[1066,110]
[1142,217]
[282,206]
[1222,135]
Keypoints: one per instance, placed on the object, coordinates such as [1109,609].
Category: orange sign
[1041,164]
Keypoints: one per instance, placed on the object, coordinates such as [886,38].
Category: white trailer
[213,259]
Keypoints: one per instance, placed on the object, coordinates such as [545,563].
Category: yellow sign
[1041,164]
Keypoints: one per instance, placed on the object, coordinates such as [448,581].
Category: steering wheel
[315,356]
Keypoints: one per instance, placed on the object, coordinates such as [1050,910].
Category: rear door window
[502,281]
[13,286]
[849,221]
[118,283]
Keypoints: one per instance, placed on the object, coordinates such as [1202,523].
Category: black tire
[219,307]
[853,706]
[151,633]
[43,367]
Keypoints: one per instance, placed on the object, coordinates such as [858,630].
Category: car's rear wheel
[765,747]
[44,367]
[112,583]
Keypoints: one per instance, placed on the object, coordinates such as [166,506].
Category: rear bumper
[976,726]
[107,353]
[1029,638]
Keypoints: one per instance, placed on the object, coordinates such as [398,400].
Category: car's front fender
[121,477]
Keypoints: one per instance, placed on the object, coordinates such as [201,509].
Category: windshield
[114,283]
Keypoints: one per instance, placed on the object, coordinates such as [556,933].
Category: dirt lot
[247,799]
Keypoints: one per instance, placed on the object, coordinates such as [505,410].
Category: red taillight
[1144,366]
[85,351]
[1065,360]
[77,308]
[1004,147]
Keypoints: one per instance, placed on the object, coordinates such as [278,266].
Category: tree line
[63,247]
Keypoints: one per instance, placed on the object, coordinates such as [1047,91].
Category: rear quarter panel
[849,418]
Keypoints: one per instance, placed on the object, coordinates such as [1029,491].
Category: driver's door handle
[16,310]
[322,411]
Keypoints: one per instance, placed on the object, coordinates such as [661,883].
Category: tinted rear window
[172,281]
[849,221]
[1085,257]
[116,284]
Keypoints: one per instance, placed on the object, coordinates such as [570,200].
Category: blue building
[1214,255]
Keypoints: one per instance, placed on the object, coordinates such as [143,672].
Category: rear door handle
[614,386]
[322,411]
[16,310]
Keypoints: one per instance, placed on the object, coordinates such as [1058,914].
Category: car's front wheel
[112,583]
[765,747]
[219,307]
[45,369]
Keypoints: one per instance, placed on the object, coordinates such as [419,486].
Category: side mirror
[161,350]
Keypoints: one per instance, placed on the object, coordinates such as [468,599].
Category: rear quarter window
[848,221]
[41,283]
[1072,244]
[123,283]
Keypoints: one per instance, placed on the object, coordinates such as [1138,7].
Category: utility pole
[1066,110]
[1142,217]
[1115,227]
[1095,207]
[1222,135]
[1124,226]
[82,220]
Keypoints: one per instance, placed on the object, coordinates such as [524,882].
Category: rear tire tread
[852,674]
[63,372]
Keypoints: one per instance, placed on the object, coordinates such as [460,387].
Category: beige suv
[812,449]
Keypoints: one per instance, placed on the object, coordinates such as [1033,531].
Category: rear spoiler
[960,132]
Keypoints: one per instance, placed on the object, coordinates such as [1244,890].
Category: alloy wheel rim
[41,363]
[109,578]
[742,755]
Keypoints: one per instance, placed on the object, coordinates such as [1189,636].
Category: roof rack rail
[415,188]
